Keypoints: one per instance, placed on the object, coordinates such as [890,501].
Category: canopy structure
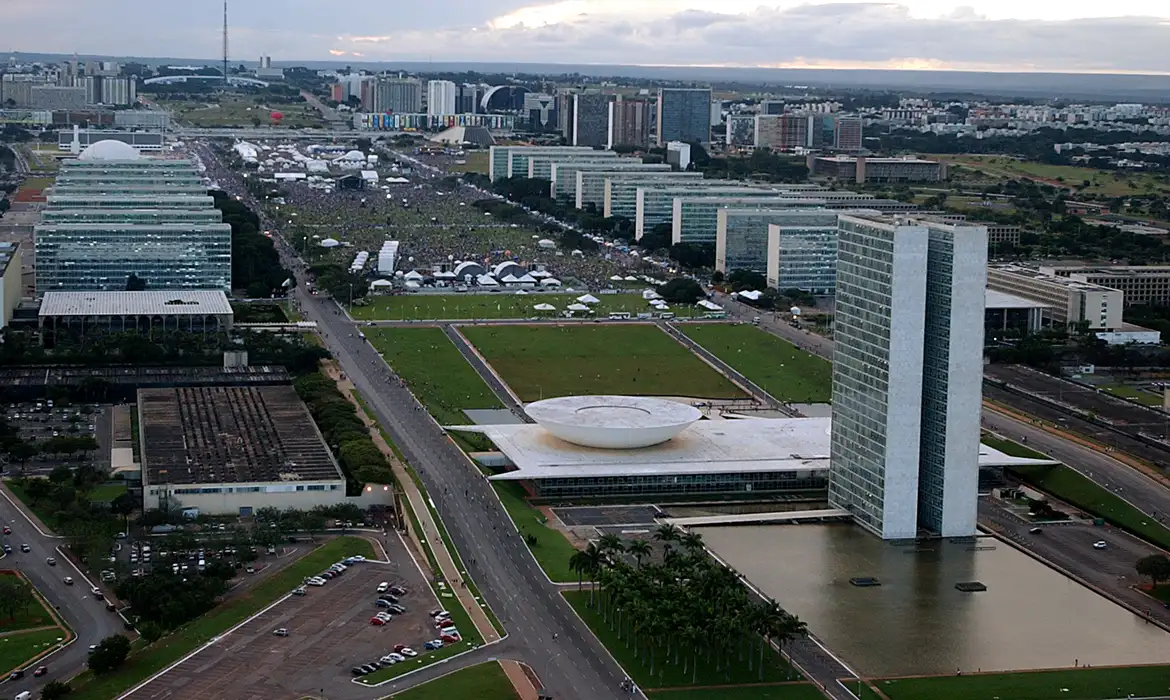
[486,281]
[616,278]
[377,284]
[545,307]
[413,275]
[650,294]
[329,243]
[588,299]
[577,307]
[550,282]
[709,305]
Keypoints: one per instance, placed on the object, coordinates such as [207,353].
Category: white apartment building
[907,375]
[441,97]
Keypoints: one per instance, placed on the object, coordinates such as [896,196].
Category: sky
[1127,36]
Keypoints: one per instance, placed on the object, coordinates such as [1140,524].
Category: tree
[111,653]
[55,690]
[639,548]
[134,283]
[15,596]
[682,290]
[150,631]
[1156,567]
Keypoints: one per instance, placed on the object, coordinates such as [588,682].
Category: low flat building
[1130,334]
[500,162]
[1008,312]
[1069,302]
[232,450]
[862,169]
[1141,284]
[203,311]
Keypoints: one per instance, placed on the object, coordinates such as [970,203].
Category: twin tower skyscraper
[908,375]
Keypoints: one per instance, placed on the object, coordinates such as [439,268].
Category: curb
[430,665]
[19,506]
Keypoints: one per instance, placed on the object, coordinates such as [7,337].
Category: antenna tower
[225,44]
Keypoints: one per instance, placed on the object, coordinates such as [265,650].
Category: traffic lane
[507,568]
[1141,491]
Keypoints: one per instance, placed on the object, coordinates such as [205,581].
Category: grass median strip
[19,648]
[1077,684]
[779,691]
[774,364]
[166,651]
[1072,487]
[482,682]
[550,546]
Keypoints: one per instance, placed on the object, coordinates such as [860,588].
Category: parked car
[397,590]
[370,668]
[382,603]
[8,549]
[396,657]
[299,590]
[433,644]
[388,660]
[110,606]
[397,608]
[7,530]
[358,671]
[97,593]
[408,652]
[383,587]
[377,621]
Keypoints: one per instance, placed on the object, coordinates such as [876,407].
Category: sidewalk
[430,532]
[520,678]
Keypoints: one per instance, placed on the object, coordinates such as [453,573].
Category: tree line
[360,459]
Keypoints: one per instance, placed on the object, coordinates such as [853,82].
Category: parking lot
[40,421]
[329,632]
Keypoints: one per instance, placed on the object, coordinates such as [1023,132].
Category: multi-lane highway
[86,615]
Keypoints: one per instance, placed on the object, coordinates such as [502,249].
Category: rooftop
[7,255]
[1002,300]
[612,422]
[1042,277]
[853,159]
[161,303]
[221,434]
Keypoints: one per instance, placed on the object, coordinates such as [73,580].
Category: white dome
[109,149]
[613,422]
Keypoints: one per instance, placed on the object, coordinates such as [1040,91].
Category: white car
[1100,544]
[316,582]
[383,587]
[389,660]
[408,652]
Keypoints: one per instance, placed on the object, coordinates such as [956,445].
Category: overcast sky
[1018,35]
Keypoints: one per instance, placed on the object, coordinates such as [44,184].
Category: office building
[861,169]
[395,95]
[848,135]
[684,114]
[1141,285]
[441,96]
[801,251]
[541,111]
[620,191]
[10,281]
[589,123]
[500,160]
[110,91]
[566,184]
[654,203]
[591,184]
[142,119]
[80,313]
[57,99]
[540,166]
[468,98]
[781,132]
[907,375]
[695,217]
[741,131]
[678,154]
[629,123]
[1070,302]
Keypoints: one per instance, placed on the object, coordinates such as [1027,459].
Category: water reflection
[916,622]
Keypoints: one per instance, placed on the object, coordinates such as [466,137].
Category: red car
[7,530]
[449,639]
[41,670]
[399,647]
[377,621]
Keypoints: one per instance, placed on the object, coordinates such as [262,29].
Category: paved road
[88,617]
[485,373]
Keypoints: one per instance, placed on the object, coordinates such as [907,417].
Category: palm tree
[692,542]
[638,548]
[666,533]
[579,563]
[595,558]
[611,544]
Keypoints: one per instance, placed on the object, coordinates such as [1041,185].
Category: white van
[23,696]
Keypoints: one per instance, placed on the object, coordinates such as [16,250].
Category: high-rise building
[684,114]
[395,95]
[629,123]
[590,119]
[441,96]
[467,99]
[847,134]
[541,111]
[782,132]
[907,375]
[741,130]
[106,90]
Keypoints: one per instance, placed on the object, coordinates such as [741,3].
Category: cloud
[955,34]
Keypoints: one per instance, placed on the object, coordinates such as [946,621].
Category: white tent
[486,281]
[413,275]
[378,284]
[588,299]
[527,279]
[709,305]
[521,293]
[545,307]
[751,294]
[577,307]
[550,282]
[616,278]
[509,279]
[411,284]
[650,294]
[329,243]
[546,243]
[631,278]
[540,273]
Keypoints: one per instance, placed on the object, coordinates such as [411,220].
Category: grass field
[1129,392]
[1101,182]
[477,162]
[1008,447]
[166,651]
[240,111]
[1084,684]
[17,649]
[543,362]
[49,520]
[483,682]
[467,307]
[671,675]
[435,371]
[782,369]
[780,691]
[32,616]
[1071,487]
[106,493]
[551,549]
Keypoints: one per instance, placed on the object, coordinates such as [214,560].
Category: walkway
[430,531]
[485,372]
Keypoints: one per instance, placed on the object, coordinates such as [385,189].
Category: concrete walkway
[430,531]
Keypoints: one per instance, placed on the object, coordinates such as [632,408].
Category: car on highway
[51,561]
[25,548]
[280,632]
[1100,544]
[7,530]
[97,593]
[8,549]
[16,675]
[68,580]
[41,670]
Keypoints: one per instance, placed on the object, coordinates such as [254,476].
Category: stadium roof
[160,303]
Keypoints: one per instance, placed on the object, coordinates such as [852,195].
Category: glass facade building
[802,252]
[696,219]
[541,166]
[500,162]
[566,185]
[742,238]
[654,204]
[684,114]
[617,192]
[142,188]
[129,179]
[808,482]
[907,375]
[138,201]
[131,216]
[100,257]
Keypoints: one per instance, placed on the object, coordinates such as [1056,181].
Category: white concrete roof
[705,447]
[612,422]
[162,303]
[1003,300]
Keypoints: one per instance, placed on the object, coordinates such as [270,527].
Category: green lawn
[477,162]
[154,658]
[17,649]
[673,676]
[483,682]
[1129,392]
[1090,684]
[106,493]
[1071,487]
[1013,449]
[779,367]
[547,361]
[448,307]
[552,550]
[1101,182]
[435,371]
[48,519]
[783,691]
[34,615]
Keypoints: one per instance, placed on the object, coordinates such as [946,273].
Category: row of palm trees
[682,608]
